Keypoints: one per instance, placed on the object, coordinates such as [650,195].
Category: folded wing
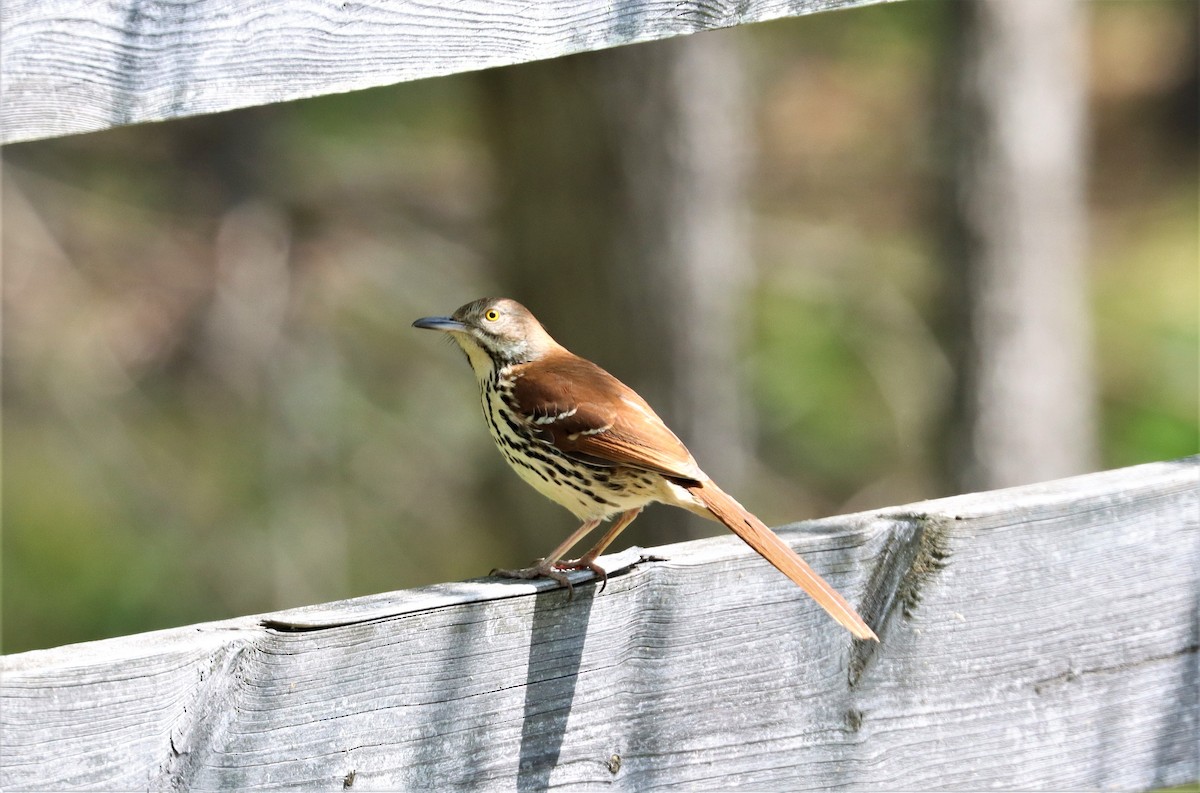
[588,414]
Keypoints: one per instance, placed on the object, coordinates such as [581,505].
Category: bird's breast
[588,490]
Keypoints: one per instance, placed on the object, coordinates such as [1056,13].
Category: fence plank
[72,66]
[1040,637]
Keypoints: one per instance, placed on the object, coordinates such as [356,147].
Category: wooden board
[1037,638]
[71,66]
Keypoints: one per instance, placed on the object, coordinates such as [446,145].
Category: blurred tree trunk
[620,219]
[1017,322]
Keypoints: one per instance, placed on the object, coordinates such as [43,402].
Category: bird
[590,443]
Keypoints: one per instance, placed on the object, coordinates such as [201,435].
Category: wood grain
[1043,637]
[73,66]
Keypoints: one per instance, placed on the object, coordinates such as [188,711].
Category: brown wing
[588,414]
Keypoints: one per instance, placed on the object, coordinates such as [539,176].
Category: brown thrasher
[587,441]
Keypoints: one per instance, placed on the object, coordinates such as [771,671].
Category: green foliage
[1148,338]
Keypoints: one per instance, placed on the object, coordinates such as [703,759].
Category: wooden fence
[1043,637]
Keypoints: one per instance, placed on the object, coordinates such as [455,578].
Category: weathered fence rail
[1037,638]
[69,66]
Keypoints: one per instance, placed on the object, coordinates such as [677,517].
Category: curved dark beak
[439,323]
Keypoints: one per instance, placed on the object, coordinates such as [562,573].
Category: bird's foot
[554,571]
[542,569]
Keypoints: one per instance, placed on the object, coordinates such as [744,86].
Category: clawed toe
[585,563]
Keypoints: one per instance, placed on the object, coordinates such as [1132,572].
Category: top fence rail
[74,66]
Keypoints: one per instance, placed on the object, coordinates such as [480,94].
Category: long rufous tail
[756,534]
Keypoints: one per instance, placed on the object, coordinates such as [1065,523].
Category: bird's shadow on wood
[556,642]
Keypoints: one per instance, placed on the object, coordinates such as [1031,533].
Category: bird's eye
[491,315]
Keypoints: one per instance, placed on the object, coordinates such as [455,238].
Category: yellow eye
[491,315]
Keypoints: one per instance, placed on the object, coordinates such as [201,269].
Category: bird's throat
[480,359]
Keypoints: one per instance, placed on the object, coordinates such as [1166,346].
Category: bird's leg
[548,567]
[588,560]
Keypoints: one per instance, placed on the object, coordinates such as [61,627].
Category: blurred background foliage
[213,403]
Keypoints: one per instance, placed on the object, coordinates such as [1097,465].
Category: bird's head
[494,332]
